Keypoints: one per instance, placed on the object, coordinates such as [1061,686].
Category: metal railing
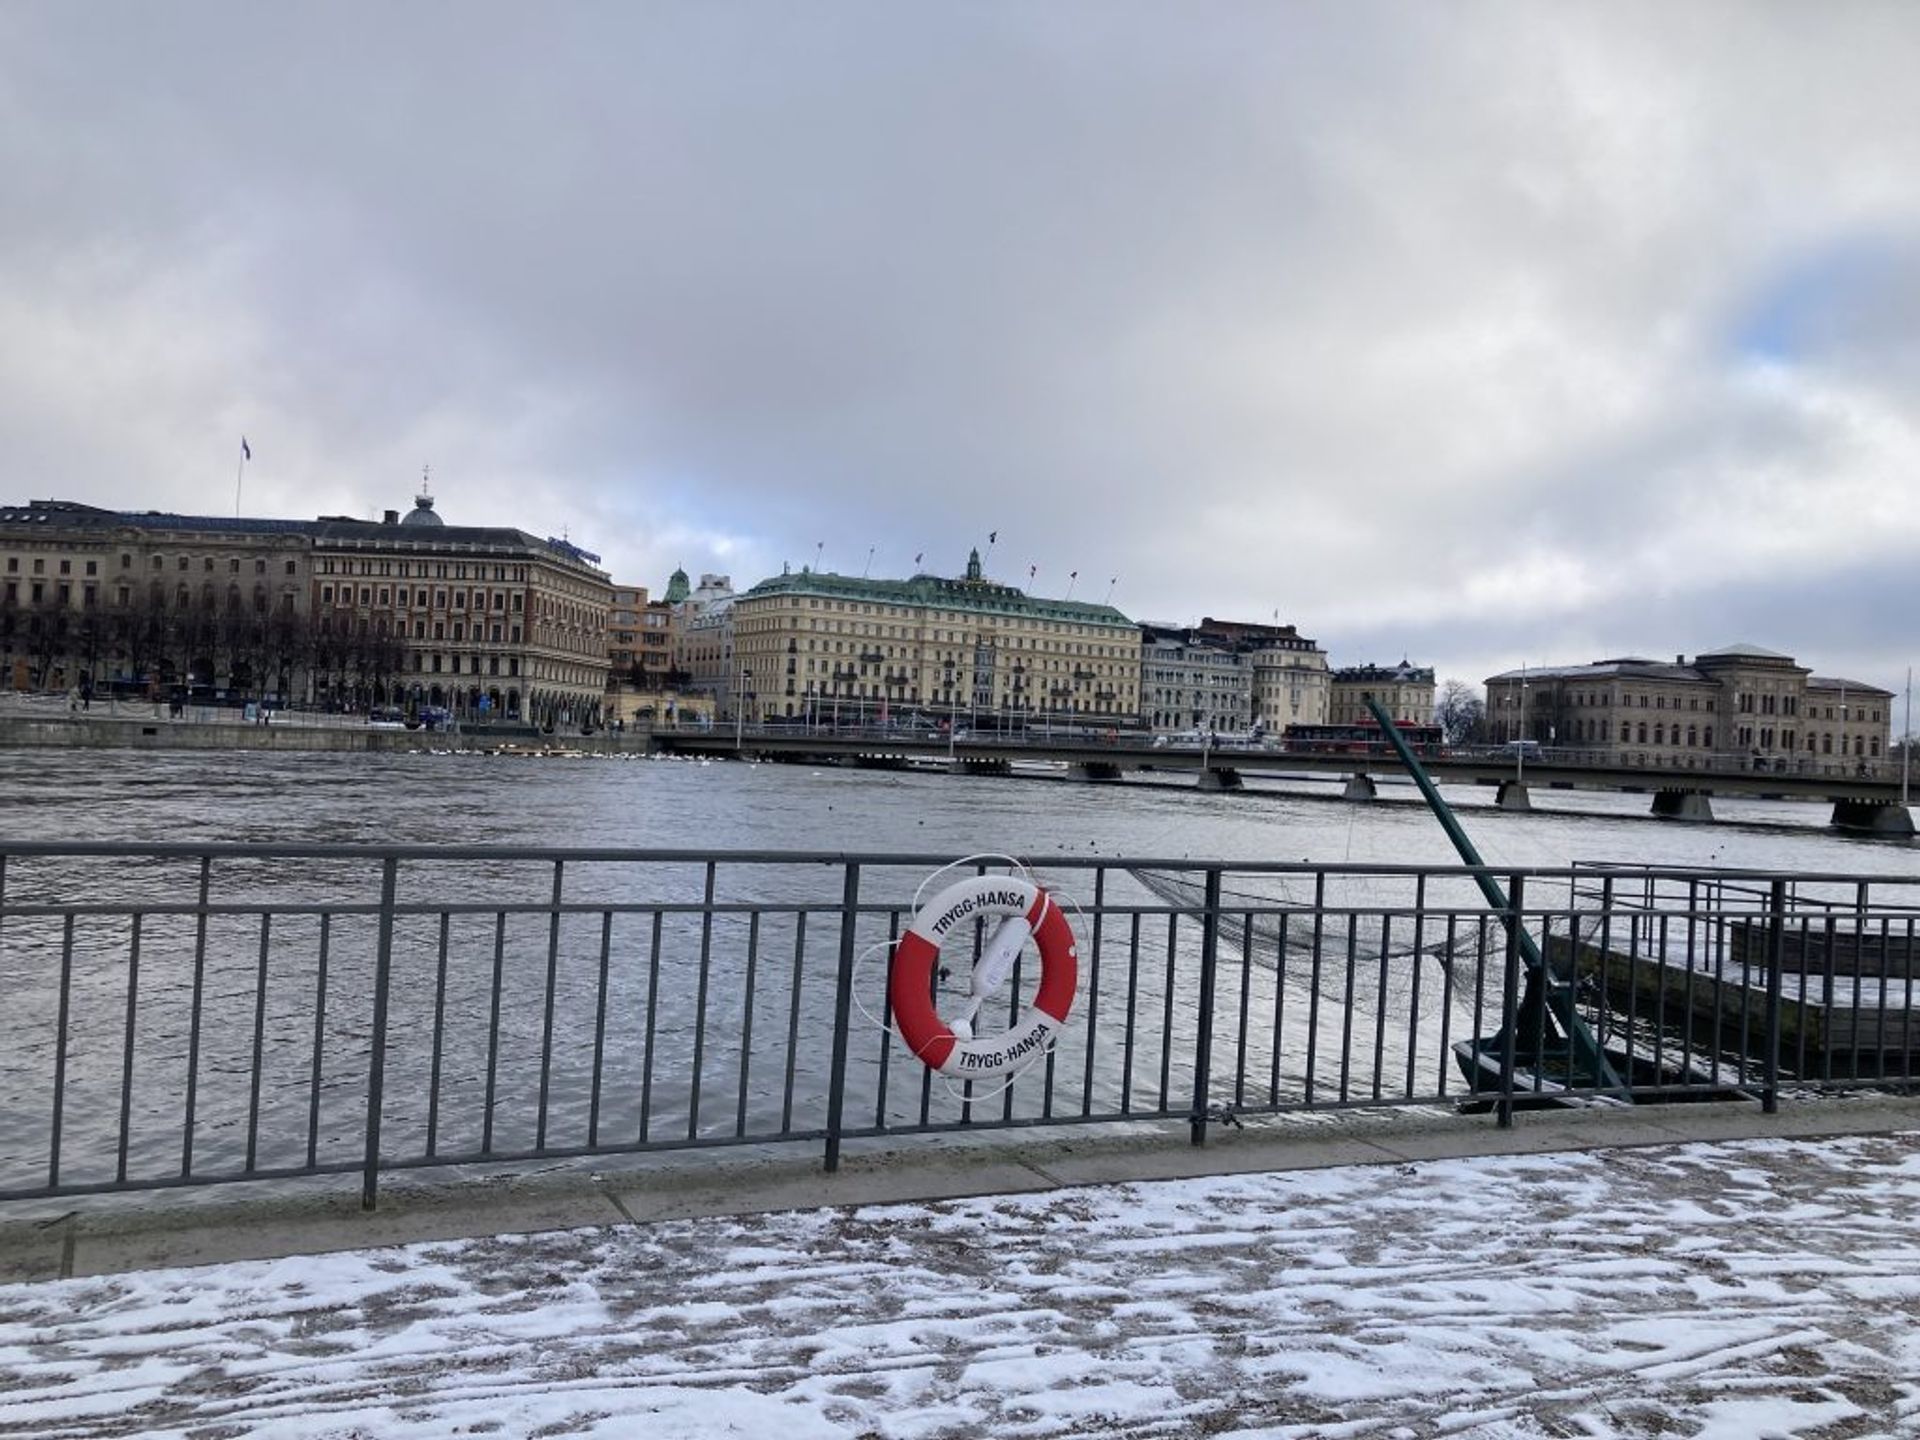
[180,1015]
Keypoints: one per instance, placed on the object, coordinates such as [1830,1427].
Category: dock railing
[185,1015]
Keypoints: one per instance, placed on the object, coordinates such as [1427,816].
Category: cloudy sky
[1477,333]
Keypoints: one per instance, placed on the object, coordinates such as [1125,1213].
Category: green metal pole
[1585,1049]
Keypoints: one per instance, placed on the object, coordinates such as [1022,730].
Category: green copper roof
[937,591]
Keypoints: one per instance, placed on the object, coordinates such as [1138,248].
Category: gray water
[757,1065]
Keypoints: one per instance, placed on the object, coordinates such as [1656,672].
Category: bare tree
[1461,714]
[49,634]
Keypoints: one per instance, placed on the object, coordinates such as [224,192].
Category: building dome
[422,513]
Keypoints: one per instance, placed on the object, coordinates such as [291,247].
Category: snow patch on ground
[1719,1292]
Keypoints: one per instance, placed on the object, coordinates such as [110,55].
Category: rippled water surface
[513,1030]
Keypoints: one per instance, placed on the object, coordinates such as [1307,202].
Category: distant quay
[132,730]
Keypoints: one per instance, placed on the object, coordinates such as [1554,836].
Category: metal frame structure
[183,1015]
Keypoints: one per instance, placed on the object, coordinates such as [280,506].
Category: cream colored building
[1404,691]
[149,601]
[1287,672]
[837,648]
[1739,706]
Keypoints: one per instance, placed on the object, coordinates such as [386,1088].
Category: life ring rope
[1025,911]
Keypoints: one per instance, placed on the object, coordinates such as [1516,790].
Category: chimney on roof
[1679,659]
[390,517]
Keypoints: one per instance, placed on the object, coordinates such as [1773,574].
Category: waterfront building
[1287,672]
[488,621]
[147,601]
[1740,704]
[644,684]
[822,647]
[1190,683]
[483,620]
[1404,691]
[704,636]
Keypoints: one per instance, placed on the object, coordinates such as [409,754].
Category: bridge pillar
[1220,778]
[1682,805]
[1512,795]
[1100,770]
[1358,787]
[1875,817]
[986,767]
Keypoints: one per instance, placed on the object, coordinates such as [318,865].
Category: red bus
[1361,739]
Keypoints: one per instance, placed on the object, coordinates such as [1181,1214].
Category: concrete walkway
[162,1229]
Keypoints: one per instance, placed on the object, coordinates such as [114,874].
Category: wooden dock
[1847,1010]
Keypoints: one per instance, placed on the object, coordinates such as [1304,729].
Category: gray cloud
[1503,332]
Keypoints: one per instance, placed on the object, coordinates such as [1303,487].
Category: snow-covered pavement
[1737,1290]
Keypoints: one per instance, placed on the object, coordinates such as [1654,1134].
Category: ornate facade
[821,647]
[1404,691]
[1740,705]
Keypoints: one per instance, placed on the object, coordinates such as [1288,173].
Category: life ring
[1027,910]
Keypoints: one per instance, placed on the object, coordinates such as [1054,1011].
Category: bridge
[1860,803]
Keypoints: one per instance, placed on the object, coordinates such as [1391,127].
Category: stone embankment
[139,729]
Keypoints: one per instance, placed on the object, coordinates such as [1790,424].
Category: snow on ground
[1732,1291]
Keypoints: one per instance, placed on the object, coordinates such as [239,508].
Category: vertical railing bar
[1092,1030]
[1802,1008]
[746,1021]
[493,1031]
[546,1013]
[1313,985]
[1880,1018]
[126,1054]
[1826,1003]
[653,1015]
[318,1076]
[1419,940]
[1165,1106]
[1447,987]
[193,1022]
[1659,925]
[793,1017]
[259,1041]
[377,1059]
[1203,1040]
[842,1011]
[1246,1009]
[1776,955]
[600,1030]
[1279,1009]
[1346,1013]
[60,1053]
[439,1037]
[926,1074]
[1510,1002]
[1906,1012]
[1606,966]
[700,1004]
[1133,998]
[1380,1009]
[886,1029]
[1013,1016]
[1859,957]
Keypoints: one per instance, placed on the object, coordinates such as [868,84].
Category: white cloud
[1429,331]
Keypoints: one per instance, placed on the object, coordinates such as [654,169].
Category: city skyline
[1490,338]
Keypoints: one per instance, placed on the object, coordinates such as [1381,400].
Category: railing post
[377,1059]
[1776,962]
[842,1010]
[1510,1001]
[1203,1042]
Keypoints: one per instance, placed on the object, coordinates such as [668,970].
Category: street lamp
[740,709]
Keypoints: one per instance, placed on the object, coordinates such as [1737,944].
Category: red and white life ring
[1027,910]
